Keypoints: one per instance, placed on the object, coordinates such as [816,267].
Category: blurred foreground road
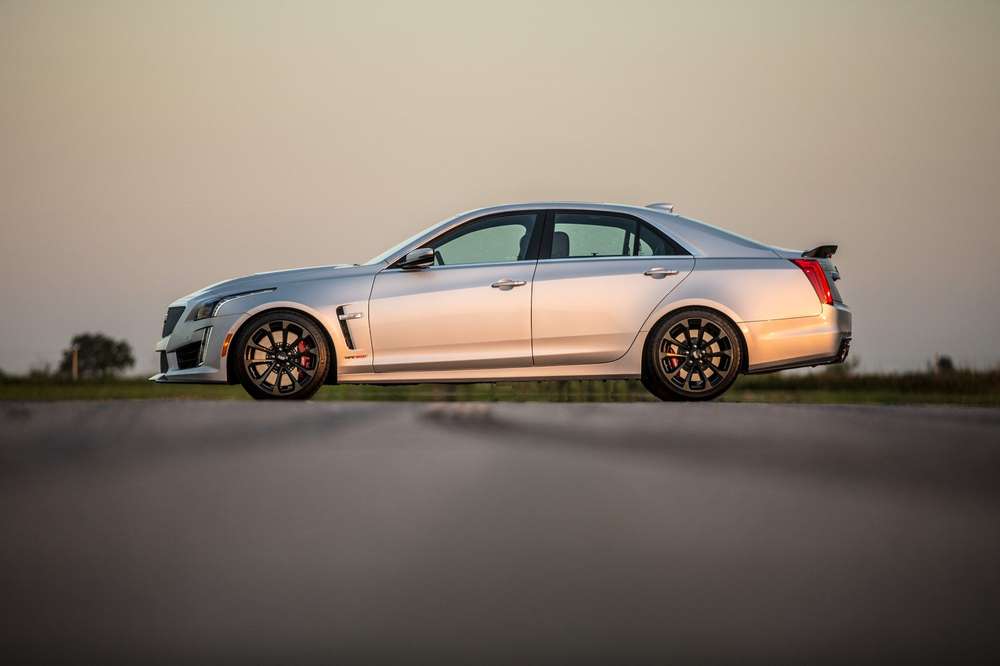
[217,532]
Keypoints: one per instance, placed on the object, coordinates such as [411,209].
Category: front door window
[498,239]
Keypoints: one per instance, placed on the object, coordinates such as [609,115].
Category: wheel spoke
[687,382]
[296,382]
[280,372]
[263,376]
[303,368]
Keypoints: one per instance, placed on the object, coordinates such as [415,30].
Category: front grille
[164,366]
[189,355]
[170,321]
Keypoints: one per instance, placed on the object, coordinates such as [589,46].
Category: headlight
[211,308]
[204,311]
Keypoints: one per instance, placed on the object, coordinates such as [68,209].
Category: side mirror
[419,258]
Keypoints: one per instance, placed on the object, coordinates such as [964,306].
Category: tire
[692,355]
[295,370]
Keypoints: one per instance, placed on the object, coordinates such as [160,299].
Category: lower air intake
[189,355]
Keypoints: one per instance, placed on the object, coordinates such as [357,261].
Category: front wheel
[282,356]
[692,355]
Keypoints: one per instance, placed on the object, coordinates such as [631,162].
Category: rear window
[652,243]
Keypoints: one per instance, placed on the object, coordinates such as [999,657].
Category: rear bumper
[800,342]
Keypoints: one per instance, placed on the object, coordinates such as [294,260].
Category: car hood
[274,279]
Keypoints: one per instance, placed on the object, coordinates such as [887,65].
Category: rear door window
[581,235]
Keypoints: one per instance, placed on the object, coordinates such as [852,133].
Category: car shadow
[954,452]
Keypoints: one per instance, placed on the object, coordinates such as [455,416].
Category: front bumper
[192,352]
[782,344]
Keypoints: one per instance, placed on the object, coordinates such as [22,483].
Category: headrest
[560,245]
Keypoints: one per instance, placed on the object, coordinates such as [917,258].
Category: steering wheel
[437,258]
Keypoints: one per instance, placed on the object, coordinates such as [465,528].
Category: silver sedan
[542,291]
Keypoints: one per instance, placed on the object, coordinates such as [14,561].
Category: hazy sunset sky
[148,149]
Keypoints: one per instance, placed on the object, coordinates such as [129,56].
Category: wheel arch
[231,359]
[686,307]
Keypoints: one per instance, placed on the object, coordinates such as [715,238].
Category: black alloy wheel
[692,355]
[282,355]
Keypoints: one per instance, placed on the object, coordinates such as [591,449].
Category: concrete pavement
[338,532]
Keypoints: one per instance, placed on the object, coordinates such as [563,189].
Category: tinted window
[592,235]
[486,240]
[654,244]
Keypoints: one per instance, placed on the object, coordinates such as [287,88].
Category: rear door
[599,277]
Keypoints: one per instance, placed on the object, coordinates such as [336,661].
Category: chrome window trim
[519,262]
[542,208]
[620,258]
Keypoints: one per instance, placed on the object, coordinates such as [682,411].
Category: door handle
[507,285]
[659,273]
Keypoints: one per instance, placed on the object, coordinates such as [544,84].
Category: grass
[964,387]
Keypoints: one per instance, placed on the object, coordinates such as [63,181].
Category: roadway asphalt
[215,532]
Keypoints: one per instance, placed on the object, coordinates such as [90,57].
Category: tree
[944,365]
[98,356]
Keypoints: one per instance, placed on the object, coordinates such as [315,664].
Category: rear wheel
[282,356]
[692,355]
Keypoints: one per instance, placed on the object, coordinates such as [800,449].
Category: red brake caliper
[304,361]
[673,361]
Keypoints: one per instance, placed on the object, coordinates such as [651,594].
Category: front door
[470,310]
[599,278]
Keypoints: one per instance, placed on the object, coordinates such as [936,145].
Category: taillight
[817,278]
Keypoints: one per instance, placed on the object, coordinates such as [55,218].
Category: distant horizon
[151,149]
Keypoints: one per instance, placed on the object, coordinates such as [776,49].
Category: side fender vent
[344,328]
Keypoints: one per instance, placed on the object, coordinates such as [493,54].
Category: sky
[148,149]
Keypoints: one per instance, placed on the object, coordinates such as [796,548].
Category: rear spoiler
[821,252]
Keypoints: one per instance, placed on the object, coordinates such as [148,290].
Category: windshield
[399,246]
